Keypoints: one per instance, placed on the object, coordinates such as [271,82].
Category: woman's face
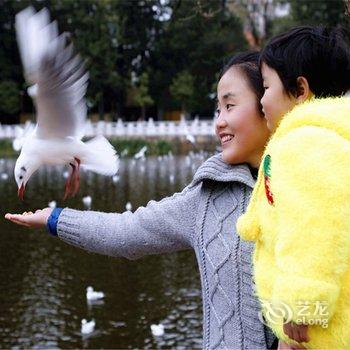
[240,125]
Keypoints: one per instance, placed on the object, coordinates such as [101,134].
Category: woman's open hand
[30,219]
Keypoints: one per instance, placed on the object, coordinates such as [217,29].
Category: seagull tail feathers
[101,157]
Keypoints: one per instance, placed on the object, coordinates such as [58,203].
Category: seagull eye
[21,177]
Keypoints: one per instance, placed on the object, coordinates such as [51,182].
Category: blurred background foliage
[149,58]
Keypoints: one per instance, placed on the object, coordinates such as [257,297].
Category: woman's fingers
[17,219]
[30,219]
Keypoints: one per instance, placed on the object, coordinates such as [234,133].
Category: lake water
[43,280]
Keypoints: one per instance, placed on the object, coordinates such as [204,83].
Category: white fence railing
[148,128]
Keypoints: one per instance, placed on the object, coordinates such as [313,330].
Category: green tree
[326,12]
[196,39]
[182,89]
[331,13]
[9,97]
[141,95]
[118,37]
[93,26]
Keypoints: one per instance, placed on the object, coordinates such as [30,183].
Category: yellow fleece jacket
[299,218]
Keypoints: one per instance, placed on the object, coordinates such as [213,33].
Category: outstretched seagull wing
[59,77]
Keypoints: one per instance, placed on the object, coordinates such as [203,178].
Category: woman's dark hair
[319,54]
[248,63]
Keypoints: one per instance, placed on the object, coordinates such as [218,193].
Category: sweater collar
[216,169]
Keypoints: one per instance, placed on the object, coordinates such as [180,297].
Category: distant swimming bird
[92,295]
[52,204]
[124,153]
[157,330]
[59,85]
[87,200]
[87,327]
[128,206]
[141,153]
[190,138]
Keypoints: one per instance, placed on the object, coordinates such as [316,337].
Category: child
[199,218]
[299,214]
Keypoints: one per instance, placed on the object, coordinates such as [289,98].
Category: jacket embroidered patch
[267,178]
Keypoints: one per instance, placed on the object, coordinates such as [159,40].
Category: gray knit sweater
[202,217]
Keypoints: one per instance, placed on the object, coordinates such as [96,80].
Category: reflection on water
[43,280]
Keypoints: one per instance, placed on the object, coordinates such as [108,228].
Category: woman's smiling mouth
[225,138]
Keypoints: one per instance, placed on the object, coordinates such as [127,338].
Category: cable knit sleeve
[160,227]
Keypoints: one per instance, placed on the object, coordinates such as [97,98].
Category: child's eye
[228,106]
[266,87]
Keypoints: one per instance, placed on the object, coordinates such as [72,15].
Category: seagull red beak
[21,191]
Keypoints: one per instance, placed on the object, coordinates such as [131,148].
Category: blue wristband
[51,224]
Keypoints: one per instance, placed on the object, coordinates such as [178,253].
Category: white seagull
[87,201]
[59,83]
[87,327]
[141,153]
[128,206]
[157,329]
[92,295]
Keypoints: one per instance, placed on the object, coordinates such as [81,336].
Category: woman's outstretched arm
[159,227]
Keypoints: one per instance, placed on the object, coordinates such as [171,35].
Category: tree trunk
[143,112]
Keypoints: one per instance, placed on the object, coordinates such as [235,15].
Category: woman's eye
[228,106]
[266,87]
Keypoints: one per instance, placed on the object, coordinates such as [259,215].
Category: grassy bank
[129,147]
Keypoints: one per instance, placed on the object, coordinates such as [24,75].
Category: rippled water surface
[43,280]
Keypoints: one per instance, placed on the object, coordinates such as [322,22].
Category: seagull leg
[71,177]
[76,177]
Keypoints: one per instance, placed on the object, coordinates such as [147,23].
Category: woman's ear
[304,92]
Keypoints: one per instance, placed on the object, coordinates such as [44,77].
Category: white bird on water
[141,153]
[52,204]
[87,200]
[92,295]
[128,206]
[190,138]
[87,327]
[157,330]
[59,85]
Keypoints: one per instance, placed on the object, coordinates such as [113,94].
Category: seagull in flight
[58,82]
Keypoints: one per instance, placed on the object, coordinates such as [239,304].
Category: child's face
[239,124]
[276,102]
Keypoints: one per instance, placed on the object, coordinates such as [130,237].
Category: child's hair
[319,54]
[248,63]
